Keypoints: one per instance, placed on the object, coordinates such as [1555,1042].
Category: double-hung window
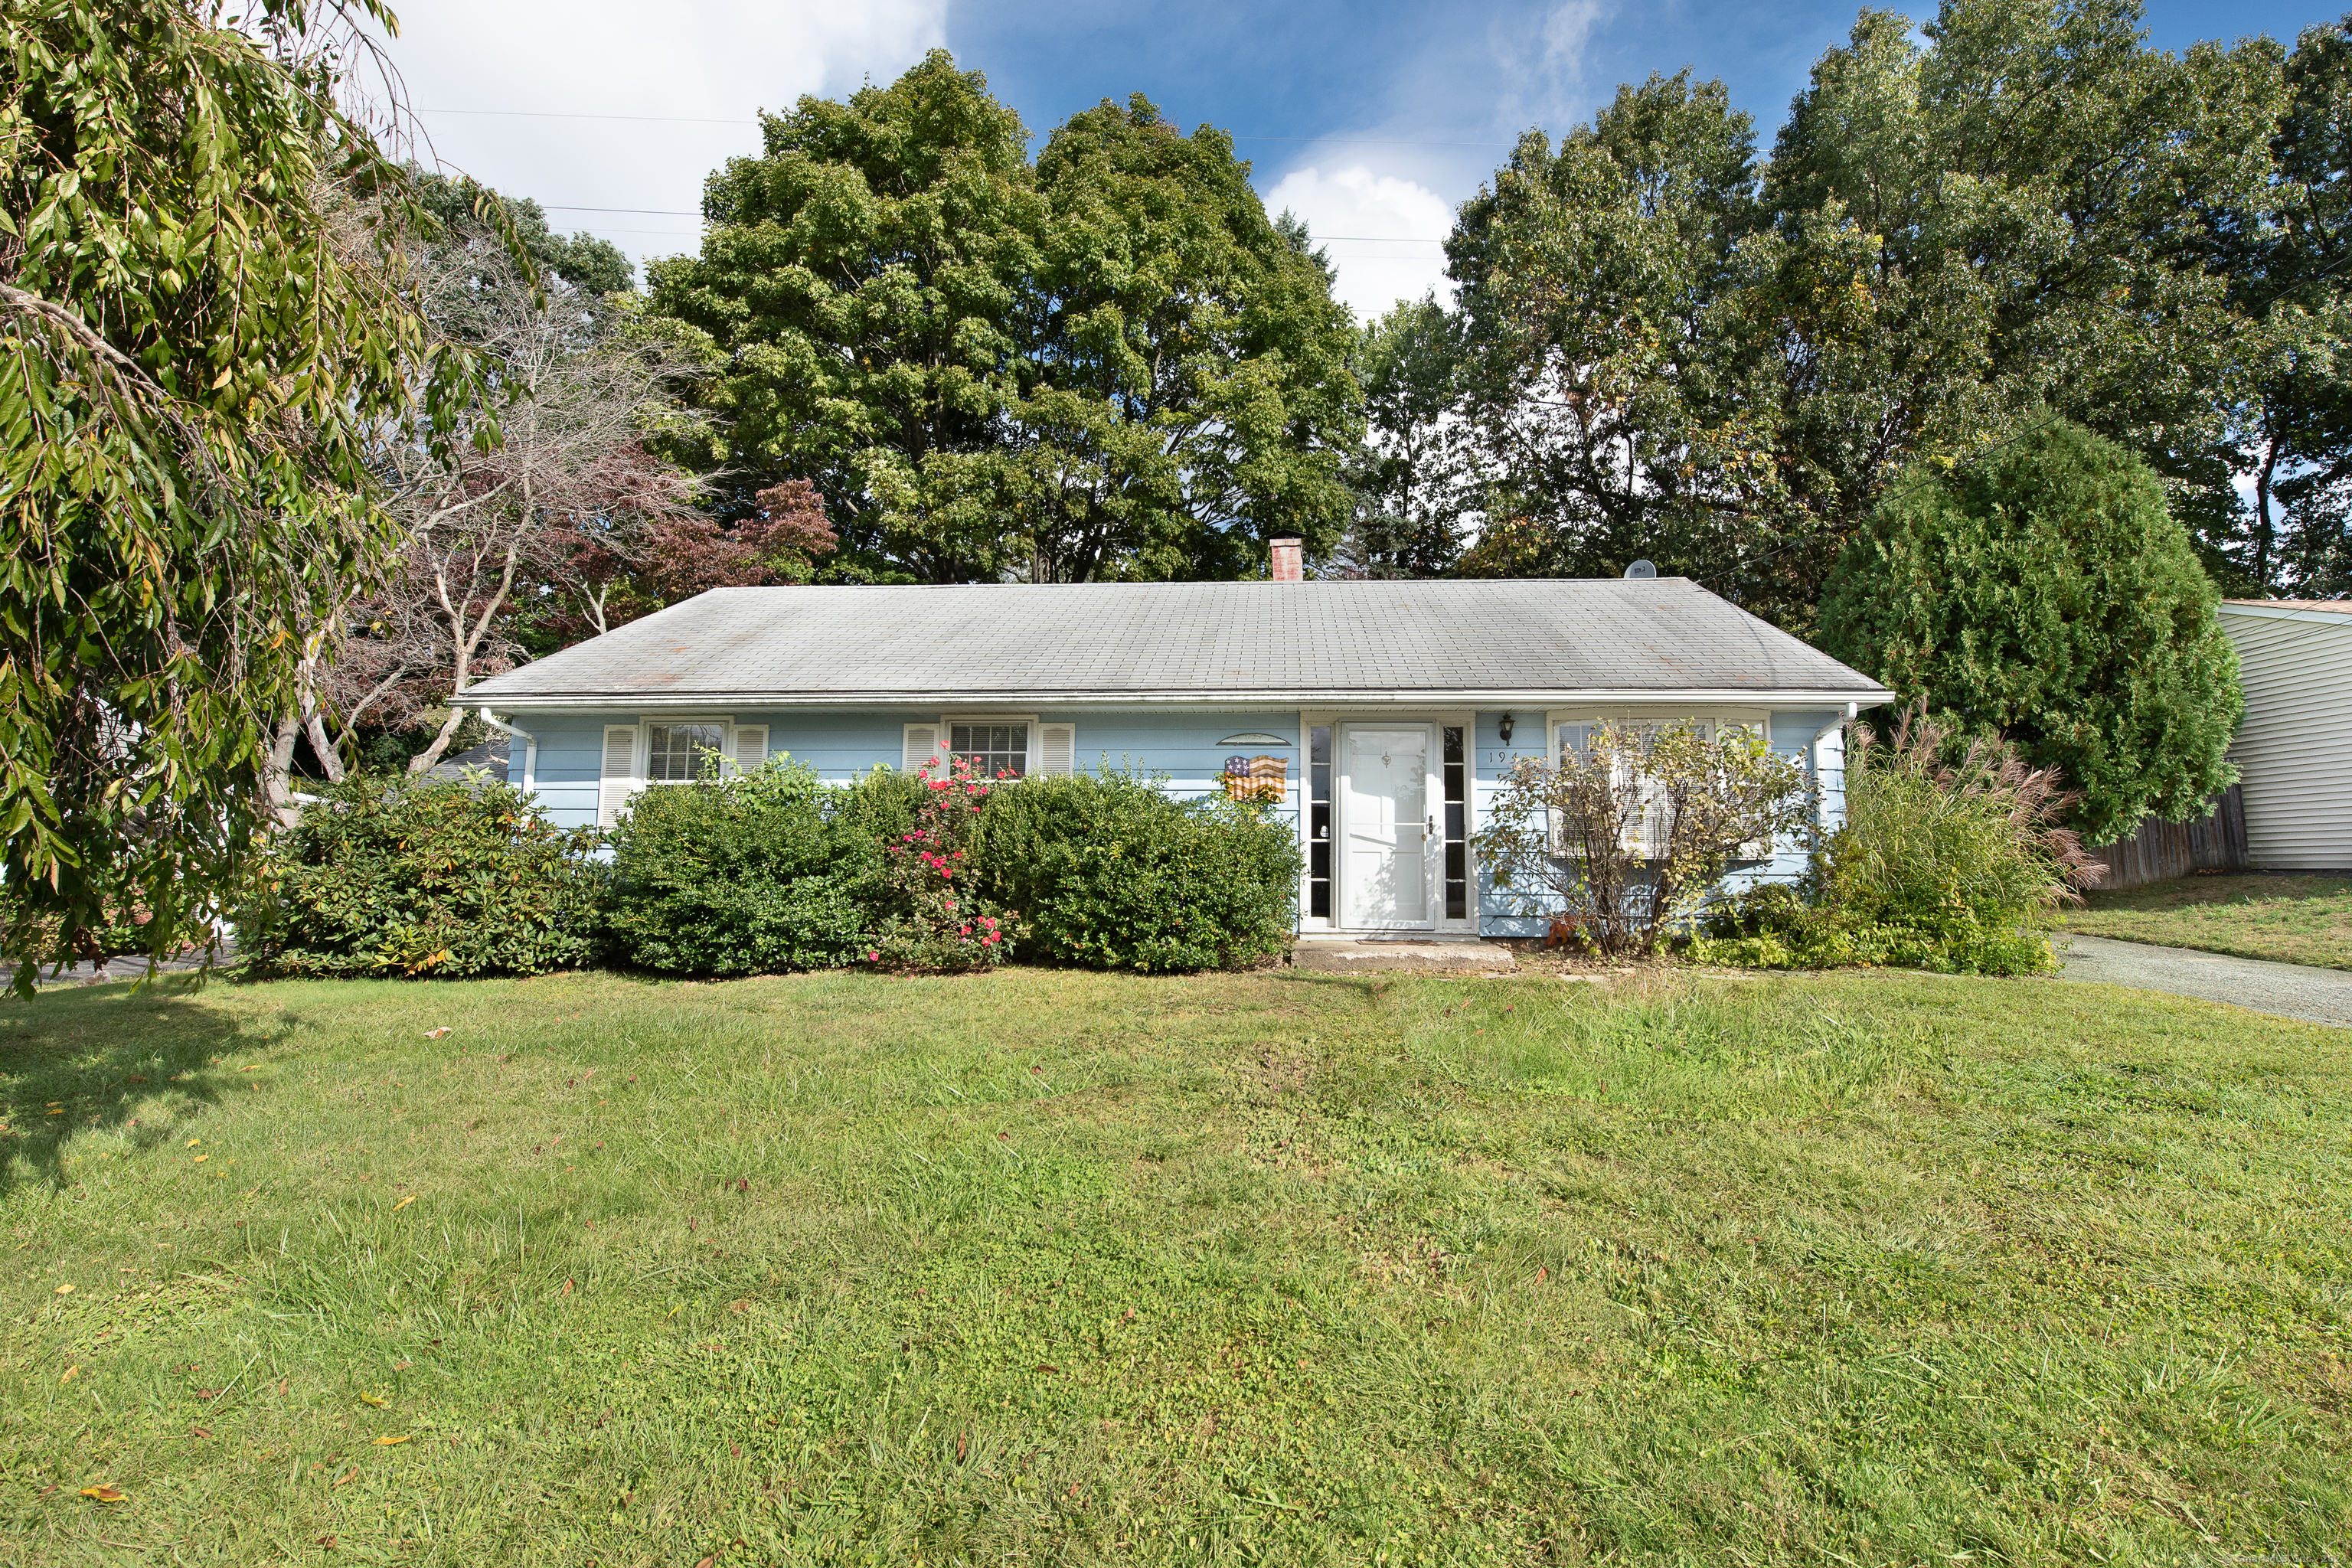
[678,753]
[993,750]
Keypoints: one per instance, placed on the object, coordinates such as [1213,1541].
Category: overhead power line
[681,212]
[694,119]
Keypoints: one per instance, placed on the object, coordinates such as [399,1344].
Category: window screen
[674,753]
[995,751]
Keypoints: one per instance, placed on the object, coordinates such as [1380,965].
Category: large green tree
[1684,353]
[2045,593]
[2292,274]
[199,343]
[1107,364]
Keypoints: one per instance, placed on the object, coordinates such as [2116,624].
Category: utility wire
[691,120]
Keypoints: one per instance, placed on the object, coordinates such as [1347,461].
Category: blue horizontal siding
[1183,747]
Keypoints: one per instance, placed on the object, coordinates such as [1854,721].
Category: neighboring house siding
[2294,747]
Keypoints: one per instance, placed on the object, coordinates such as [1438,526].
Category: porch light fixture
[1504,728]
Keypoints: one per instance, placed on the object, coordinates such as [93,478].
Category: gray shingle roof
[1220,642]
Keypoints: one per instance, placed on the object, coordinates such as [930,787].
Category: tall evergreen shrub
[2045,594]
[746,873]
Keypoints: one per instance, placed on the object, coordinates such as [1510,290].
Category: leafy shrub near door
[394,875]
[743,874]
[1110,871]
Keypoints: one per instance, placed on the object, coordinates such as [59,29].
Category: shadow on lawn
[77,1062]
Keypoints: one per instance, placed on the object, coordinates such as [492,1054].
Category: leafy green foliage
[2045,594]
[1110,871]
[742,874]
[1108,364]
[392,875]
[197,340]
[1676,349]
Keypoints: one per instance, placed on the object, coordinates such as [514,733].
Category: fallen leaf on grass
[255,1067]
[388,1442]
[567,1288]
[403,1203]
[352,1477]
[68,1376]
[436,1034]
[105,1494]
[192,1143]
[65,1289]
[327,1541]
[379,1401]
[200,1431]
[202,1158]
[1048,1366]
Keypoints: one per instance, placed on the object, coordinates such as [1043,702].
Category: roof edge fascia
[2285,612]
[1280,699]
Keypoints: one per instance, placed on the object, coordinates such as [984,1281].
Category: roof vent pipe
[1285,558]
[1641,571]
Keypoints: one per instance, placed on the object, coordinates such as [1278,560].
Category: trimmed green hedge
[746,874]
[394,875]
[1110,871]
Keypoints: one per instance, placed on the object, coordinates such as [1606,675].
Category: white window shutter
[751,746]
[921,748]
[1057,748]
[617,778]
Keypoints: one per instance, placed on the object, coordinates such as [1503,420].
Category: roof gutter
[1281,697]
[530,745]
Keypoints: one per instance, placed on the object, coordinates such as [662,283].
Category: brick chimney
[1286,558]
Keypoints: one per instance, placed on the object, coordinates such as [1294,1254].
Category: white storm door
[1383,827]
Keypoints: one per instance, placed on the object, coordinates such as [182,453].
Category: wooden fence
[2161,851]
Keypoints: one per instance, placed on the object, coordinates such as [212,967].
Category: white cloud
[1544,80]
[710,59]
[1381,230]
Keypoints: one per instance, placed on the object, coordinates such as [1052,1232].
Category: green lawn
[1862,1269]
[2296,919]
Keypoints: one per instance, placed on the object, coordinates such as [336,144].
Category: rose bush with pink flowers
[936,919]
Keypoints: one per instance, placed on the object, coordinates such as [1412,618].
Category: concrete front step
[1342,956]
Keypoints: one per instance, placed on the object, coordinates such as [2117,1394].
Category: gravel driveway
[2289,990]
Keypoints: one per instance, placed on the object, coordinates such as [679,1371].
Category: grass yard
[1862,1269]
[2295,920]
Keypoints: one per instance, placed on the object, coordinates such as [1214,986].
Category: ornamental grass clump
[394,875]
[1952,857]
[936,919]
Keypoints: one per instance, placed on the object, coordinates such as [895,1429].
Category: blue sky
[1370,121]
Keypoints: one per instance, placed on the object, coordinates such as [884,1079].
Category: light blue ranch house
[1379,716]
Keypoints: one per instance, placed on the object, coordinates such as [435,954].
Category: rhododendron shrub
[939,923]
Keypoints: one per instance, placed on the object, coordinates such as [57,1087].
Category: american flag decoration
[1257,778]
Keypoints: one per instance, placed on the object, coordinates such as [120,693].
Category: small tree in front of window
[1626,833]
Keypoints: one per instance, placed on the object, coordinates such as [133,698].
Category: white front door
[1383,827]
